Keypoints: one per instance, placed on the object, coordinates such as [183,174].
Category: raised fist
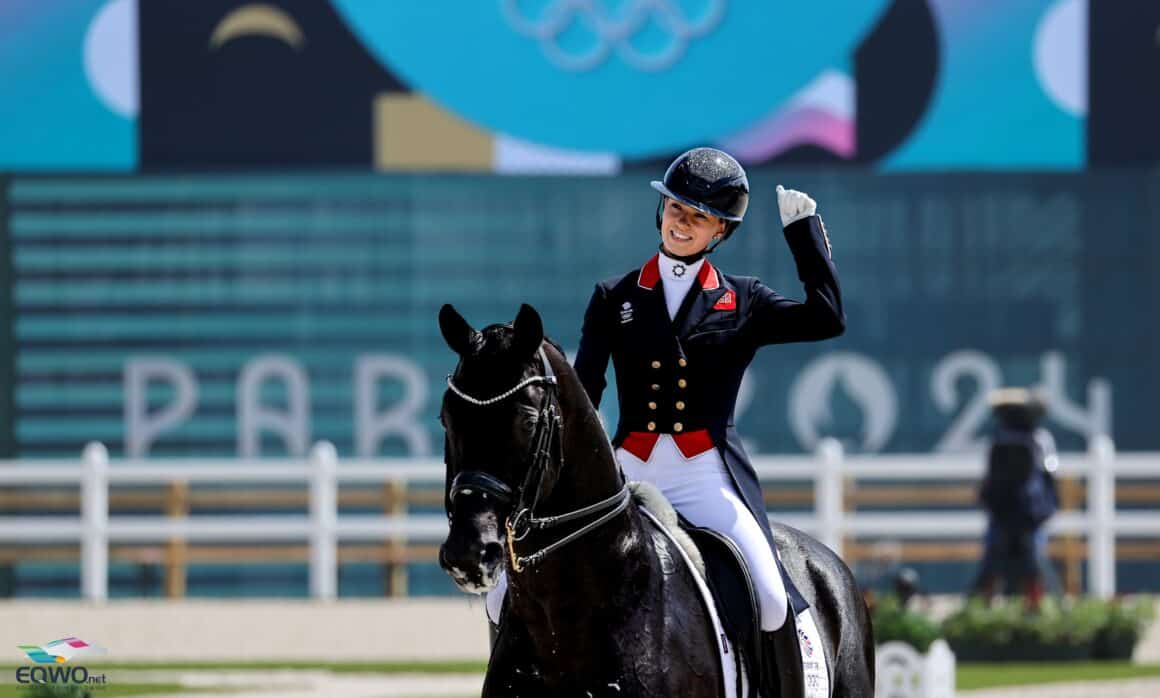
[794,205]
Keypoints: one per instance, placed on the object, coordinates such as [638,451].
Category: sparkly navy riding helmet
[709,180]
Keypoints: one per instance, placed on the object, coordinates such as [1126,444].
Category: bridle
[546,441]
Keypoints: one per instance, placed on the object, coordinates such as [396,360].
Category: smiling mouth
[678,237]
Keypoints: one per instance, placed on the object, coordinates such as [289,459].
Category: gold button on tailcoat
[656,364]
[652,426]
[682,363]
[682,383]
[652,405]
[680,405]
[678,427]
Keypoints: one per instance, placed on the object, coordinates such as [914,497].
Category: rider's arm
[595,346]
[778,319]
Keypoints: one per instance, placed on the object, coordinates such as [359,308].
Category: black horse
[601,608]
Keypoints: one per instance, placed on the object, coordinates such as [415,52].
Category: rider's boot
[781,668]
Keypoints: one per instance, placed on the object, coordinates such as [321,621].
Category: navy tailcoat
[682,375]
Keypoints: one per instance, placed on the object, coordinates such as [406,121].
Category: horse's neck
[589,472]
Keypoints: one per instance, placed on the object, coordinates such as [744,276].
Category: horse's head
[500,416]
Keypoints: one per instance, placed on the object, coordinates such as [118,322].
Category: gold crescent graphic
[257,19]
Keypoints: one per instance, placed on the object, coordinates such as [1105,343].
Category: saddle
[772,663]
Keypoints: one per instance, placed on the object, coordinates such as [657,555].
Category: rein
[546,440]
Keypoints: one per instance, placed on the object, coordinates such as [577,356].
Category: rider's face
[686,231]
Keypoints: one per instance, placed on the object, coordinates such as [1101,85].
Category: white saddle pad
[724,647]
[816,672]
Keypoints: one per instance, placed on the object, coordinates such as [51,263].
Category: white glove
[794,205]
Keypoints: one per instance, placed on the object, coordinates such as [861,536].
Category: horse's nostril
[492,554]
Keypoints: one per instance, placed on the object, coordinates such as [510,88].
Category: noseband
[546,440]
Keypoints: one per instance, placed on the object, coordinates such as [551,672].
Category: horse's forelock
[496,345]
[497,339]
[492,360]
[492,365]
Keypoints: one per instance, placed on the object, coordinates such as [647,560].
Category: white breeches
[701,490]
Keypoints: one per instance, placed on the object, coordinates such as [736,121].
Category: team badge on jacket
[625,312]
[726,302]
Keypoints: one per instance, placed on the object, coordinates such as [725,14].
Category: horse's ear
[529,331]
[459,335]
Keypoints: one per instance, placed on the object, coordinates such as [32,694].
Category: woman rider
[681,333]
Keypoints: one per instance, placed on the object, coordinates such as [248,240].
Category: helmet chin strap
[686,258]
[690,258]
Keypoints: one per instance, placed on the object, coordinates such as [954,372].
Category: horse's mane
[555,345]
[581,418]
[576,395]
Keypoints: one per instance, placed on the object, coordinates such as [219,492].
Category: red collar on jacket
[650,274]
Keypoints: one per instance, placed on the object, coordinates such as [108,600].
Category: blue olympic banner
[575,86]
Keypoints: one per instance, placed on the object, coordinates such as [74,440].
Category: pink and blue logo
[60,651]
[807,645]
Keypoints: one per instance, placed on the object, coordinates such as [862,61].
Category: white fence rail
[323,527]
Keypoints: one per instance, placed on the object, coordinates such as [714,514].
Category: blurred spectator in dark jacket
[1019,495]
